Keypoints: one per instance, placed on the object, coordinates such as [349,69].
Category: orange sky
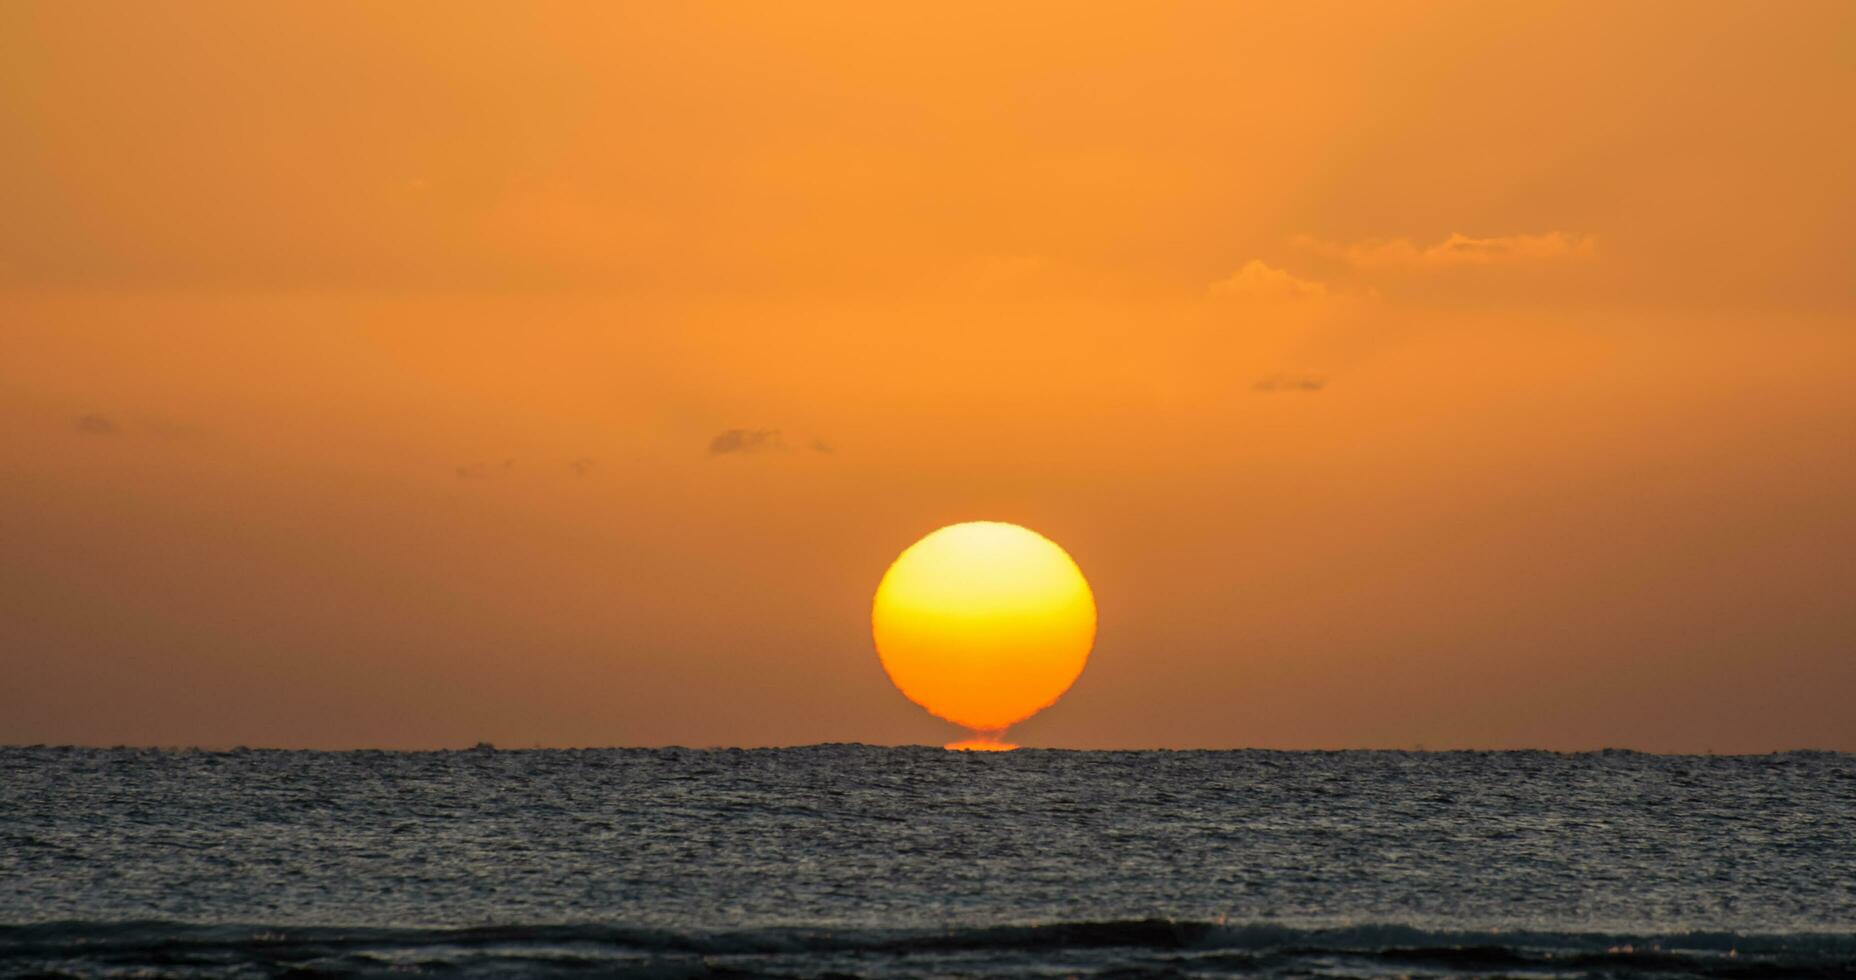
[1453,374]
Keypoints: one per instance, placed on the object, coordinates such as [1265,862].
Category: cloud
[483,471]
[97,425]
[1281,382]
[1456,251]
[581,467]
[746,442]
[1257,280]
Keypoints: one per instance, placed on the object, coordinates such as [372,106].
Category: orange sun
[984,624]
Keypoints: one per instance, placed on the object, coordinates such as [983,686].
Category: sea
[864,861]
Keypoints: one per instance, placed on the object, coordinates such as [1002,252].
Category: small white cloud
[1258,280]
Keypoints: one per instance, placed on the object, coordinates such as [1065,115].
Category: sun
[984,624]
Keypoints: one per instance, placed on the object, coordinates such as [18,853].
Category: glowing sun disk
[983,624]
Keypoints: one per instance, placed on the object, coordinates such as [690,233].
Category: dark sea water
[862,861]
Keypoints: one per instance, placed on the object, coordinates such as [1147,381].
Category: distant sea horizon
[489,746]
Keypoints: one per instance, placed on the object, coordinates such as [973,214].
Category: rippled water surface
[878,861]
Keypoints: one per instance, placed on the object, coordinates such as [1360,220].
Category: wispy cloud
[97,425]
[483,471]
[1455,251]
[1283,382]
[746,442]
[583,467]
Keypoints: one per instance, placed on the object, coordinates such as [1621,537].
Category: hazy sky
[1470,374]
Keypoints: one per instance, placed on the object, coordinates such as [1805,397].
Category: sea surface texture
[863,861]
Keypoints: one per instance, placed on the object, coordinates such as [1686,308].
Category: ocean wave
[1140,946]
